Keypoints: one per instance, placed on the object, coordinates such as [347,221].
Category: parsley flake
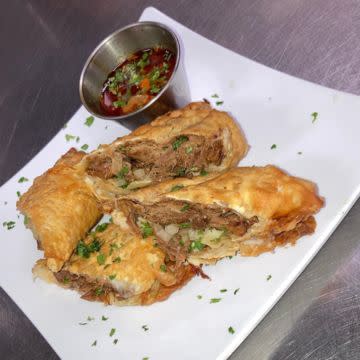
[9,224]
[112,332]
[146,229]
[215,300]
[231,330]
[122,172]
[314,116]
[101,258]
[299,152]
[145,358]
[90,318]
[203,172]
[23,179]
[223,290]
[115,341]
[112,277]
[89,121]
[196,245]
[184,225]
[103,318]
[101,227]
[236,291]
[219,103]
[185,208]
[189,149]
[117,259]
[216,96]
[18,193]
[83,323]
[145,327]
[94,343]
[26,219]
[99,291]
[85,147]
[163,268]
[199,297]
[179,141]
[273,146]
[268,277]
[69,137]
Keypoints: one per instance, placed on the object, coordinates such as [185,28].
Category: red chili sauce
[133,83]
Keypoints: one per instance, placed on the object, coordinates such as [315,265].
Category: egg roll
[246,210]
[187,142]
[60,208]
[117,267]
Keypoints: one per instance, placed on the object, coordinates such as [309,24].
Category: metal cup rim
[102,43]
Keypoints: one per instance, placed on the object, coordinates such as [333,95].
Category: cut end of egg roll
[246,210]
[183,143]
[59,208]
[117,267]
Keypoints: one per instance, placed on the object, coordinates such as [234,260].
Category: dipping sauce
[137,80]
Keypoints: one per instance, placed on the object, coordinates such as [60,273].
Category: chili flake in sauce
[137,80]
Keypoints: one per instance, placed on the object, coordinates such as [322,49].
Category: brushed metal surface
[44,45]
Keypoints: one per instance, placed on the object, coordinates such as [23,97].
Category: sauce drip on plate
[137,80]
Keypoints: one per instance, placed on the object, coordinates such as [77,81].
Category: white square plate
[272,108]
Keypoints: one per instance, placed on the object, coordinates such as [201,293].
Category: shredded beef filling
[182,156]
[188,216]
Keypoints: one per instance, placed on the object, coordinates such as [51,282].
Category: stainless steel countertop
[44,45]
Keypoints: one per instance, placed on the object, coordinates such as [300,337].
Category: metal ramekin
[114,50]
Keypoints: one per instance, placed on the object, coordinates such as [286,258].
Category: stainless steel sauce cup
[115,49]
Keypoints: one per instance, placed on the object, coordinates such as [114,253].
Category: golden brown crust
[133,266]
[60,209]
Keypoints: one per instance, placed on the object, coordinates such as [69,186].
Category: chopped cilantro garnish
[273,146]
[89,121]
[101,258]
[196,245]
[119,103]
[163,268]
[84,250]
[215,96]
[117,259]
[236,291]
[101,227]
[231,330]
[85,147]
[184,225]
[223,290]
[189,149]
[219,103]
[268,277]
[94,343]
[145,327]
[176,187]
[186,207]
[122,172]
[112,332]
[215,300]
[112,277]
[146,229]
[199,297]
[18,193]
[115,341]
[103,318]
[99,291]
[154,89]
[9,224]
[22,179]
[203,172]
[180,140]
[69,137]
[314,116]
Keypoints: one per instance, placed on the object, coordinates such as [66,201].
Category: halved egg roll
[246,210]
[115,266]
[60,209]
[183,143]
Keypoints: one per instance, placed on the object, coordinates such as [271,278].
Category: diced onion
[139,174]
[172,229]
[138,184]
[161,233]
